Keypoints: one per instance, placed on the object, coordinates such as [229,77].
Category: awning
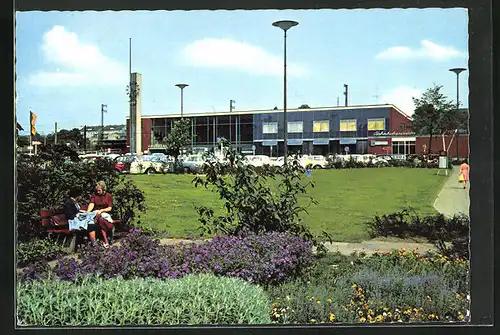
[348,141]
[269,143]
[294,142]
[321,141]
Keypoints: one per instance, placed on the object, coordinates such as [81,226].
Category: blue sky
[69,63]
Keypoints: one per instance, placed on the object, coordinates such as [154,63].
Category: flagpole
[31,139]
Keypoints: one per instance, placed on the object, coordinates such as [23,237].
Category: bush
[37,250]
[400,285]
[44,180]
[203,299]
[266,259]
[436,228]
[250,202]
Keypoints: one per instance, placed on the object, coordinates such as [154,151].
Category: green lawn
[346,199]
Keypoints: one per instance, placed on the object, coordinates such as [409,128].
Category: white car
[149,165]
[193,163]
[316,161]
[258,160]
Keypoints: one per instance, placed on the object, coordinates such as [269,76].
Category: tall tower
[135,114]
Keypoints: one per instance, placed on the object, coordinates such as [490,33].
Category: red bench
[57,224]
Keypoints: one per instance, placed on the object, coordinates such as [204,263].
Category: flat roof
[267,111]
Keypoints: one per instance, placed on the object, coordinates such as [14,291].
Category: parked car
[122,163]
[315,161]
[257,160]
[279,161]
[147,165]
[193,163]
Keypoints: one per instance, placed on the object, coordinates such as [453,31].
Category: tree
[179,138]
[435,114]
[304,106]
[74,137]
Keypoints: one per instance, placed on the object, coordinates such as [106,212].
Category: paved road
[453,199]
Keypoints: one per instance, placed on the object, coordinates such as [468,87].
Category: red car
[122,163]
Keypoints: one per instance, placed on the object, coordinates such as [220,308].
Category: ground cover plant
[38,250]
[401,286]
[346,200]
[194,299]
[261,259]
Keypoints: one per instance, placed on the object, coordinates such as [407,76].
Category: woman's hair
[74,192]
[102,185]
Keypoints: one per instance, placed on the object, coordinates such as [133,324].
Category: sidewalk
[345,248]
[453,199]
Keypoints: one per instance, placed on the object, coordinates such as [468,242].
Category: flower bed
[398,286]
[261,259]
[401,286]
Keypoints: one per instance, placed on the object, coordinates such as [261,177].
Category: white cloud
[401,97]
[229,54]
[81,63]
[427,49]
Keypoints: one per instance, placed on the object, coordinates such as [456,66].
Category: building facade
[110,133]
[375,129]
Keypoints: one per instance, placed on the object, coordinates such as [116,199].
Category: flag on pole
[32,123]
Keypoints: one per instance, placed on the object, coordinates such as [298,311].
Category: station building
[370,129]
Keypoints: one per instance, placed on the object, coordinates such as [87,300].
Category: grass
[346,199]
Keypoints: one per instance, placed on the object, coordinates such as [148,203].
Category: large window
[321,126]
[403,147]
[376,124]
[348,125]
[270,127]
[295,127]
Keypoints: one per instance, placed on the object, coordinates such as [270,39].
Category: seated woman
[72,208]
[101,203]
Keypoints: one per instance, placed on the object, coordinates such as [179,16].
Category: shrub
[37,250]
[44,180]
[436,228]
[250,202]
[201,299]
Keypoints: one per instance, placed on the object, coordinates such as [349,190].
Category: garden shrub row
[409,162]
[401,286]
[262,259]
[194,299]
[436,228]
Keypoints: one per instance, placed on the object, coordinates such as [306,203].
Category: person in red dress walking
[464,171]
[101,203]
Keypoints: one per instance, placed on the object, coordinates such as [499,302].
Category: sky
[69,63]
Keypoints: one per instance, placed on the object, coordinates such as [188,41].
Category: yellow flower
[277,315]
[319,302]
[332,316]
[313,320]
[360,313]
[329,300]
[362,320]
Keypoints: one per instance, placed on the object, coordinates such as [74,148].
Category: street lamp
[458,70]
[182,86]
[285,25]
